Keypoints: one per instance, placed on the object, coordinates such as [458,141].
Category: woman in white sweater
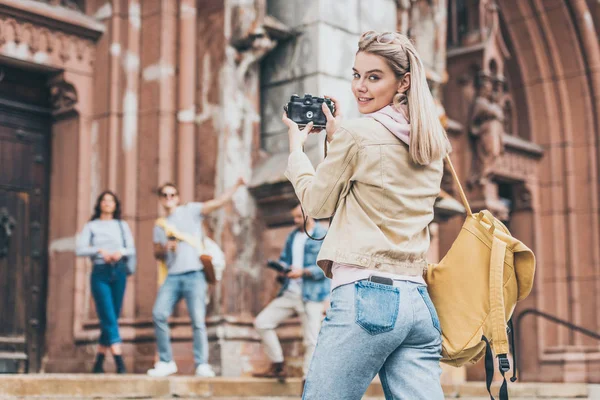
[107,240]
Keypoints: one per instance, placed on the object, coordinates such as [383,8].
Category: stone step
[84,387]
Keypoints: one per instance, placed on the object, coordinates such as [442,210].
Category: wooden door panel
[21,151]
[24,185]
[14,270]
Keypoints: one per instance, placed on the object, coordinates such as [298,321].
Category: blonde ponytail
[428,140]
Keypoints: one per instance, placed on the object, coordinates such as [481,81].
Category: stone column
[186,99]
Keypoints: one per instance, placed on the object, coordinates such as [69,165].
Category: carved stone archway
[555,108]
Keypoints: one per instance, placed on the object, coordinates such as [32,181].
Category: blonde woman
[379,180]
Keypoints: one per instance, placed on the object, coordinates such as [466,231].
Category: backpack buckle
[503,363]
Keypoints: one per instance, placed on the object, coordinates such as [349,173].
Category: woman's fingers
[327,112]
[288,122]
[336,102]
[308,128]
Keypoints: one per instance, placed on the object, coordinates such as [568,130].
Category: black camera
[307,109]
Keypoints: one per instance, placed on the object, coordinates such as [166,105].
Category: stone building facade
[128,94]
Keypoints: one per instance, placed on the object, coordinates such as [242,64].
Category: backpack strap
[498,318]
[184,237]
[122,233]
[489,366]
[513,349]
[463,197]
[499,336]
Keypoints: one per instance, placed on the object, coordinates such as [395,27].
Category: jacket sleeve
[316,273]
[83,246]
[320,190]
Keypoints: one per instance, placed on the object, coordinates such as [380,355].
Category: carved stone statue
[261,45]
[63,97]
[486,130]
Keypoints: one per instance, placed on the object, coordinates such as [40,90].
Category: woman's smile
[364,100]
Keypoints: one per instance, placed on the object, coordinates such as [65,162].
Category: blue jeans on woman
[108,283]
[373,328]
[192,287]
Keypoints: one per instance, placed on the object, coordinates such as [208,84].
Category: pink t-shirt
[346,273]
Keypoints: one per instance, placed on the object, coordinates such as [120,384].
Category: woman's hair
[98,211]
[428,140]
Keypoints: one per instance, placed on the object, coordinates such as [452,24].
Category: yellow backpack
[475,289]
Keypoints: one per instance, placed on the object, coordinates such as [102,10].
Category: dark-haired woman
[107,240]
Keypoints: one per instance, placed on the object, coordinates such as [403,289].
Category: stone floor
[104,387]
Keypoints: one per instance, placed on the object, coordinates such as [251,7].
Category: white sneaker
[205,370]
[162,368]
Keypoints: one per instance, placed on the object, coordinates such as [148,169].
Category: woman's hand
[116,257]
[106,256]
[240,182]
[297,137]
[333,120]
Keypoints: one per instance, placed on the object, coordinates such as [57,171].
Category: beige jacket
[383,202]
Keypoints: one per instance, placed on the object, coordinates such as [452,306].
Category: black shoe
[99,364]
[275,370]
[120,364]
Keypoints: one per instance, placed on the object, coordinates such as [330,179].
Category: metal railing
[549,317]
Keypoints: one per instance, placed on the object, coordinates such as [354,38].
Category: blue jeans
[108,288]
[372,328]
[192,287]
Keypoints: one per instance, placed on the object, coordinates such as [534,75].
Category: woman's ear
[404,84]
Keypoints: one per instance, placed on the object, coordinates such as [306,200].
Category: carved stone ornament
[77,5]
[523,199]
[260,46]
[63,97]
[36,43]
[257,42]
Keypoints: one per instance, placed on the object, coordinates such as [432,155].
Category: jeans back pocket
[434,317]
[376,306]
